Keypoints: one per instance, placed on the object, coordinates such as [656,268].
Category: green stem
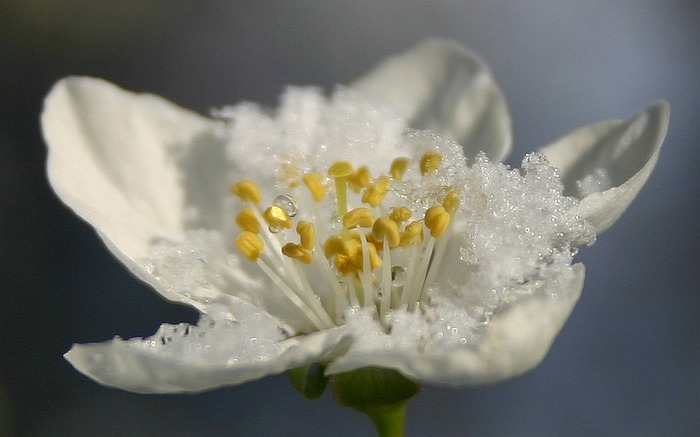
[381,394]
[389,420]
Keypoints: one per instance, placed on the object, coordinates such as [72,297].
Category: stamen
[307,234]
[413,233]
[451,202]
[314,182]
[250,245]
[340,170]
[400,214]
[398,167]
[247,190]
[297,251]
[333,246]
[385,228]
[277,218]
[359,179]
[375,193]
[430,162]
[361,217]
[437,219]
[247,220]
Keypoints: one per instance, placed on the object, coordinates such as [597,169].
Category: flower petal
[618,156]
[517,340]
[110,159]
[439,85]
[216,353]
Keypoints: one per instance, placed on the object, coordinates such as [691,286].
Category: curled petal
[439,85]
[518,338]
[110,159]
[617,156]
[217,352]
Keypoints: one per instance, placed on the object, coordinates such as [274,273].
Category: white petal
[439,85]
[623,152]
[110,159]
[216,353]
[518,338]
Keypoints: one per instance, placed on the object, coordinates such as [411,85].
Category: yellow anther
[430,162]
[247,190]
[359,179]
[307,234]
[383,228]
[247,221]
[413,233]
[361,217]
[383,183]
[375,260]
[451,201]
[314,182]
[400,214]
[333,246]
[250,245]
[398,167]
[353,248]
[297,251]
[277,218]
[290,174]
[344,264]
[375,193]
[340,169]
[437,219]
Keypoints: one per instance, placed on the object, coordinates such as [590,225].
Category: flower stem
[382,394]
[389,420]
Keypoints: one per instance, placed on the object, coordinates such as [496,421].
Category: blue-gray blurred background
[626,364]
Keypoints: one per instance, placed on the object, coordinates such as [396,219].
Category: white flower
[451,270]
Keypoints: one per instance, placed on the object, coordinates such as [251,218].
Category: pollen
[400,214]
[412,234]
[248,191]
[359,179]
[250,245]
[383,228]
[375,193]
[361,217]
[430,162]
[297,251]
[247,221]
[437,219]
[307,235]
[451,202]
[313,182]
[398,168]
[277,218]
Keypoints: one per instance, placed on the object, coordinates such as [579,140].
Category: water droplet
[287,203]
[379,292]
[398,276]
[274,229]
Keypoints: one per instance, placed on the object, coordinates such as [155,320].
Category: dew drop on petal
[398,276]
[287,203]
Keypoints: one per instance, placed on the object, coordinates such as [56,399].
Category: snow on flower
[373,227]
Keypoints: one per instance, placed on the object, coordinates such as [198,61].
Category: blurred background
[626,363]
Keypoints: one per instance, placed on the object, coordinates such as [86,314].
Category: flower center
[372,250]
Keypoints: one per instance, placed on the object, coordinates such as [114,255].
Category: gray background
[626,363]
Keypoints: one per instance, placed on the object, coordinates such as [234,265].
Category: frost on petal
[606,164]
[111,160]
[220,350]
[448,347]
[309,130]
[440,86]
